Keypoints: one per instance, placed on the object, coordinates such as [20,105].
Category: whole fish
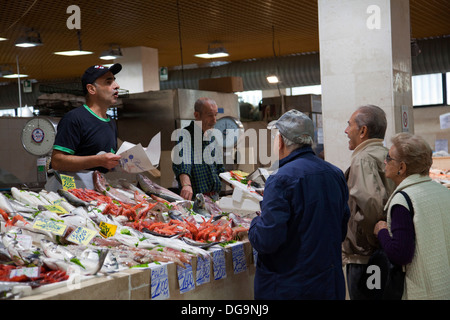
[57,199]
[77,202]
[25,198]
[110,264]
[129,186]
[5,204]
[102,186]
[20,255]
[199,206]
[212,207]
[152,188]
[52,250]
[91,260]
[5,258]
[21,208]
[176,215]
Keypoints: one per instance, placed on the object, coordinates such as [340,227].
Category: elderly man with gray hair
[369,191]
[303,221]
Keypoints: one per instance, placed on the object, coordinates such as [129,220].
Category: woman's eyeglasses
[389,158]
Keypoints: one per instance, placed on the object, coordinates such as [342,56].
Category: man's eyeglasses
[389,158]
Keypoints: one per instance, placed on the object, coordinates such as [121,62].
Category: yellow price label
[49,225]
[68,182]
[82,236]
[56,209]
[107,230]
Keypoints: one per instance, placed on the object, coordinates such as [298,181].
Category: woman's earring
[398,173]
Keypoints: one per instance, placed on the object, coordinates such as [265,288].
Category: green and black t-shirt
[81,132]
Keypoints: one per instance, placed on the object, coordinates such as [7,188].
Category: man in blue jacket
[303,220]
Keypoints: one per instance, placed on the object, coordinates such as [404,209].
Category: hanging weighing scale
[231,129]
[230,137]
[38,137]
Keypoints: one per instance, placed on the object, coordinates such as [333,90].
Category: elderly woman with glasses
[417,238]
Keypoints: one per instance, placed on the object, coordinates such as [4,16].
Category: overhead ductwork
[434,56]
[293,71]
[300,70]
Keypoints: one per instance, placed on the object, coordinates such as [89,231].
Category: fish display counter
[121,241]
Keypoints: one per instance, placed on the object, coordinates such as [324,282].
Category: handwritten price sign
[50,226]
[160,283]
[56,209]
[239,263]
[203,271]
[107,230]
[219,266]
[67,182]
[82,236]
[185,278]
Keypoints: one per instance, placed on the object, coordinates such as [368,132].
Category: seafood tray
[246,188]
[116,226]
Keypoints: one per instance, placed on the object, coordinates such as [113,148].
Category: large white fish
[21,207]
[25,197]
[5,204]
[56,199]
[79,221]
[52,250]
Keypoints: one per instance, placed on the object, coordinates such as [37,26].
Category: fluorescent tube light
[72,53]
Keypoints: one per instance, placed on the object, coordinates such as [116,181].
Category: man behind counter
[86,138]
[196,178]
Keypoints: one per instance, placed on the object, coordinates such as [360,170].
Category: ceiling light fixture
[14,75]
[112,53]
[32,38]
[272,79]
[3,39]
[214,52]
[7,73]
[71,53]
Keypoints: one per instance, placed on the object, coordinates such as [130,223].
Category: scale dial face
[231,129]
[38,136]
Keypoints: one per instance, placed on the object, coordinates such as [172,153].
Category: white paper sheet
[136,159]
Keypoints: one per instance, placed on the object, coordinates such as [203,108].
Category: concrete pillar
[365,58]
[140,69]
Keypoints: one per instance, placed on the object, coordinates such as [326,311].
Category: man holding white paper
[86,138]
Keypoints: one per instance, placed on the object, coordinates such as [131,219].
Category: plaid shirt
[203,171]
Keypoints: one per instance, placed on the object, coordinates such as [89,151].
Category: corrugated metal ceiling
[244,27]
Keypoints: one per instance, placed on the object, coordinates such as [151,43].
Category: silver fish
[5,258]
[21,208]
[52,250]
[102,186]
[77,202]
[152,188]
[91,260]
[110,264]
[199,205]
[18,254]
[129,186]
[5,204]
[175,215]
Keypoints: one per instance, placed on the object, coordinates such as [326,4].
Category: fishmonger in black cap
[86,136]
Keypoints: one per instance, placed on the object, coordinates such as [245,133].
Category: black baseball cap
[94,72]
